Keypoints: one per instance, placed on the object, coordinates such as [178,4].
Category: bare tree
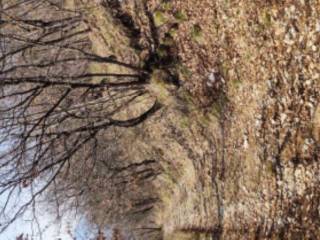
[53,106]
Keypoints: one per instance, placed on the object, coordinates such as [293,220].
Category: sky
[53,230]
[21,226]
[79,227]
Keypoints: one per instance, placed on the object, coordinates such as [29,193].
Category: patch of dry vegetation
[265,59]
[238,142]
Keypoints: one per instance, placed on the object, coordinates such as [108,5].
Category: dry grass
[268,54]
[262,109]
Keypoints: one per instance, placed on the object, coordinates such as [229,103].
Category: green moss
[180,16]
[167,6]
[173,32]
[159,18]
[236,83]
[197,34]
[184,122]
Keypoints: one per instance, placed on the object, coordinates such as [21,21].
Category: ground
[238,141]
